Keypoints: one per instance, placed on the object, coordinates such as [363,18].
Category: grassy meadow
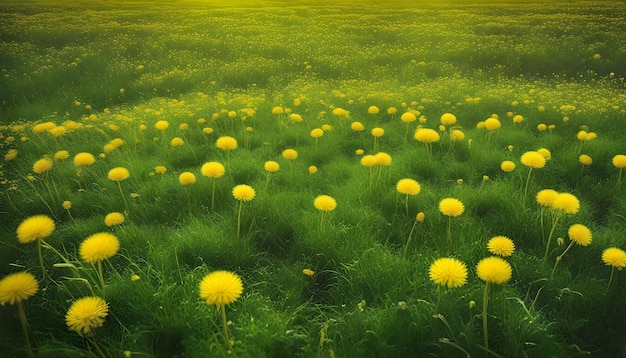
[366,95]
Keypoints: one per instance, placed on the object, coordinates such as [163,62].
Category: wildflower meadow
[312,179]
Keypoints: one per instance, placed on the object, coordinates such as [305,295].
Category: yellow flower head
[308,272]
[383,159]
[492,124]
[84,159]
[408,117]
[118,174]
[373,110]
[271,166]
[114,218]
[448,272]
[581,135]
[546,197]
[507,166]
[448,119]
[518,119]
[359,152]
[317,132]
[35,228]
[580,234]
[420,217]
[177,142]
[290,154]
[368,161]
[296,118]
[451,207]
[501,245]
[17,287]
[212,169]
[226,143]
[408,187]
[278,110]
[619,161]
[614,257]
[86,314]
[11,154]
[545,153]
[67,205]
[324,203]
[392,110]
[99,247]
[457,135]
[378,132]
[42,165]
[533,159]
[427,135]
[161,125]
[357,126]
[186,178]
[159,169]
[243,192]
[494,270]
[221,288]
[584,159]
[566,202]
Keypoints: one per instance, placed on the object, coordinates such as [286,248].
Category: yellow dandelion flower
[619,161]
[290,154]
[566,202]
[324,203]
[161,125]
[533,159]
[226,143]
[427,135]
[86,314]
[408,187]
[357,126]
[114,218]
[368,161]
[159,169]
[378,132]
[615,257]
[507,166]
[580,234]
[243,192]
[221,288]
[494,270]
[84,159]
[383,159]
[373,110]
[187,178]
[457,135]
[448,119]
[212,169]
[35,228]
[584,159]
[408,117]
[546,197]
[501,245]
[99,247]
[492,124]
[317,132]
[451,207]
[545,153]
[42,165]
[308,272]
[177,142]
[448,272]
[67,205]
[17,287]
[118,174]
[271,166]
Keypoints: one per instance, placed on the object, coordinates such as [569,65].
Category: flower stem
[485,304]
[213,195]
[554,222]
[450,231]
[406,204]
[559,258]
[43,267]
[24,321]
[239,218]
[530,171]
[100,276]
[408,241]
[225,323]
[610,279]
[119,185]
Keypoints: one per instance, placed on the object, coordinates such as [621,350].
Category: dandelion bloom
[271,166]
[427,135]
[290,154]
[584,159]
[340,112]
[368,161]
[308,272]
[541,127]
[324,203]
[448,119]
[99,247]
[378,132]
[118,174]
[159,169]
[357,126]
[451,207]
[492,124]
[327,127]
[420,217]
[408,117]
[408,187]
[518,119]
[35,228]
[566,202]
[545,152]
[243,192]
[383,159]
[501,245]
[42,165]
[546,197]
[114,218]
[221,288]
[373,110]
[533,159]
[177,142]
[226,143]
[619,161]
[294,117]
[17,287]
[212,169]
[359,152]
[84,159]
[86,314]
[507,166]
[580,234]
[67,205]
[615,257]
[312,169]
[392,110]
[278,110]
[187,178]
[581,135]
[207,130]
[494,270]
[317,132]
[457,135]
[11,154]
[448,272]
[161,125]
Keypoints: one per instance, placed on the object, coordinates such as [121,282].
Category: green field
[355,89]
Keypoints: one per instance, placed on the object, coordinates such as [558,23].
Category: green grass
[193,62]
